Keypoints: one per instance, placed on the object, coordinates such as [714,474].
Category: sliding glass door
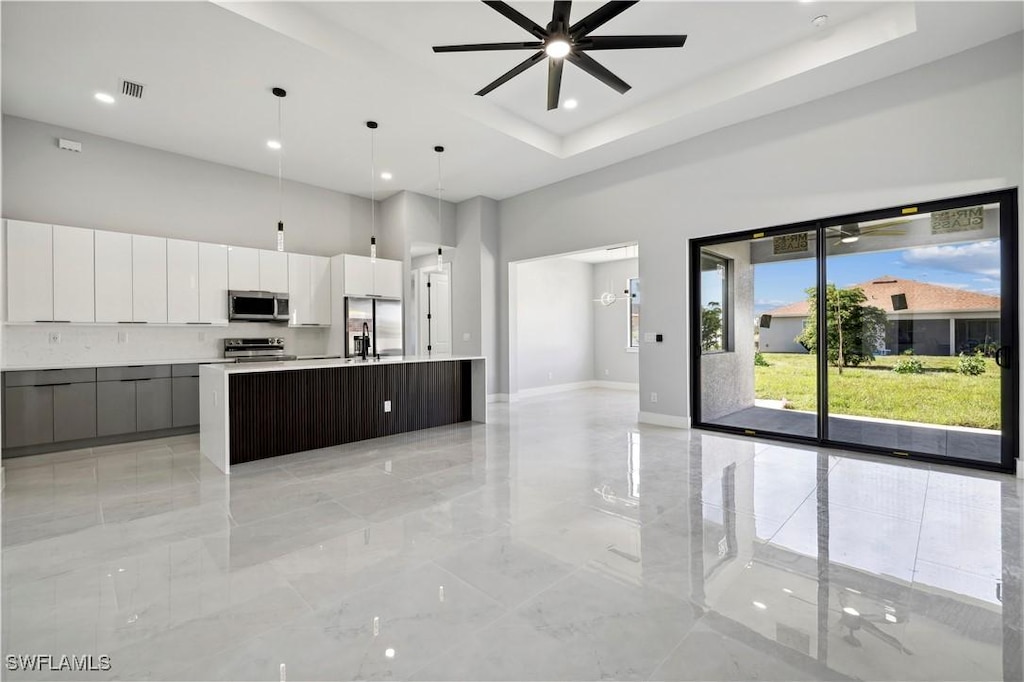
[890,331]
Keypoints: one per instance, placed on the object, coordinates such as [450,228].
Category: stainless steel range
[261,349]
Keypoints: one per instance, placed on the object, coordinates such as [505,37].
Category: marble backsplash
[30,345]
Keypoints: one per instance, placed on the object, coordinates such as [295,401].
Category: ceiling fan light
[558,48]
[850,239]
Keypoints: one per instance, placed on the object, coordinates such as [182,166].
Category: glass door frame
[1009,321]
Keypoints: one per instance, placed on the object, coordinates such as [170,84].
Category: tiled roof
[921,298]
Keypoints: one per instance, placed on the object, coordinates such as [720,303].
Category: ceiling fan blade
[630,42]
[560,14]
[602,74]
[554,82]
[483,47]
[515,71]
[599,17]
[517,17]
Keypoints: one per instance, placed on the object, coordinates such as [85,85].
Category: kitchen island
[252,411]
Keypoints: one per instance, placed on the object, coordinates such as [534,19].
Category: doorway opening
[575,321]
[888,331]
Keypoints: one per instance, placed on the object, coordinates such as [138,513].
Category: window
[714,301]
[633,286]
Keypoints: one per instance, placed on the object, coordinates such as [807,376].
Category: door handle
[1003,357]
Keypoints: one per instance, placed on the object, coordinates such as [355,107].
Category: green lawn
[939,396]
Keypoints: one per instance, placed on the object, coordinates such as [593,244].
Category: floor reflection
[559,541]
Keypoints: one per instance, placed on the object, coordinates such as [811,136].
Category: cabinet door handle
[199,323]
[44,321]
[125,322]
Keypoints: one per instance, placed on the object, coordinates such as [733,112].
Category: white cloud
[978,258]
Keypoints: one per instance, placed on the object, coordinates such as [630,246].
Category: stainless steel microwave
[257,306]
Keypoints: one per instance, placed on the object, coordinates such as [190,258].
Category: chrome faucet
[366,340]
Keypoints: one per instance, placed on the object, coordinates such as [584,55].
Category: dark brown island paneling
[277,413]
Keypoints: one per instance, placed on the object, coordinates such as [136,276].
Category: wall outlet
[466,336]
[606,372]
[122,337]
[654,397]
[54,337]
[202,336]
[551,375]
[387,405]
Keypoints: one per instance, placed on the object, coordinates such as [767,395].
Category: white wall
[948,128]
[114,185]
[780,337]
[555,323]
[475,283]
[613,361]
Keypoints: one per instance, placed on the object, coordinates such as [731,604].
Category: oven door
[250,305]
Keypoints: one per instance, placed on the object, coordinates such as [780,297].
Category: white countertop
[122,363]
[251,367]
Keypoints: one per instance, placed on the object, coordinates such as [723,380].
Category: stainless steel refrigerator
[383,319]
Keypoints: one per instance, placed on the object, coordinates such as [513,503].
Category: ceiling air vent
[132,89]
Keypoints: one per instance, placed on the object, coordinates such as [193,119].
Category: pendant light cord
[373,183]
[438,187]
[280,165]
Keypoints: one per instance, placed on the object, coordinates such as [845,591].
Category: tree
[711,326]
[855,330]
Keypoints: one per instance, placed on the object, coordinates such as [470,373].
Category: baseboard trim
[557,388]
[658,419]
[499,398]
[574,386]
[1020,468]
[616,385]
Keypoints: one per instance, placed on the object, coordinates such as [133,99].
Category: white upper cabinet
[182,281]
[273,271]
[149,279]
[387,278]
[29,272]
[299,295]
[364,277]
[113,276]
[358,275]
[320,290]
[213,283]
[243,268]
[74,274]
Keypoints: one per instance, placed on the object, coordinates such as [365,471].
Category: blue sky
[973,266]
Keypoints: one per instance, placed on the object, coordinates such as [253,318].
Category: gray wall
[883,144]
[555,323]
[475,284]
[612,360]
[124,187]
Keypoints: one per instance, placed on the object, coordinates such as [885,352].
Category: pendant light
[439,149]
[372,125]
[280,93]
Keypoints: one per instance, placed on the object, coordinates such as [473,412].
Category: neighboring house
[937,320]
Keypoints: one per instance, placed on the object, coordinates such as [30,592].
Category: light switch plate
[649,337]
[466,336]
[54,337]
[122,337]
[387,405]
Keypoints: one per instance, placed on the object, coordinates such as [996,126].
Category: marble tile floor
[972,445]
[559,541]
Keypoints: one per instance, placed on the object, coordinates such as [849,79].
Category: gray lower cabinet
[153,404]
[28,412]
[185,399]
[74,411]
[115,408]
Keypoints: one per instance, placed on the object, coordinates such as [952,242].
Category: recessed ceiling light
[806,1]
[557,48]
[570,104]
[760,605]
[104,97]
[386,176]
[273,144]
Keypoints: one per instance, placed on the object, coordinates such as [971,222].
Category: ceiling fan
[561,41]
[852,232]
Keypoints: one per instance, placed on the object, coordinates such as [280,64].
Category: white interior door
[436,313]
